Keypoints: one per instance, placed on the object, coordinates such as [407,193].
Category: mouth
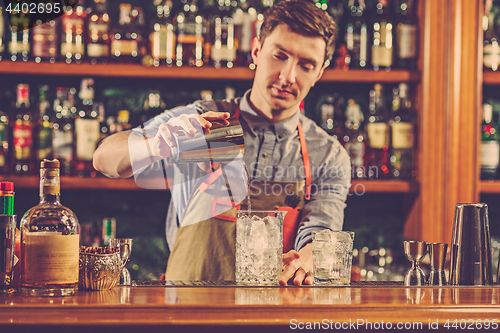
[282,93]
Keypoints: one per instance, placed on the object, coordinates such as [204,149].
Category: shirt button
[264,155]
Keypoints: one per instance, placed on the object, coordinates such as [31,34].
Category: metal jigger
[437,252]
[471,246]
[415,251]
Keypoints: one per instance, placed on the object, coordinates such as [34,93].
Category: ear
[256,46]
[320,74]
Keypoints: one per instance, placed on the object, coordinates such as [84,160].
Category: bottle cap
[6,186]
[50,164]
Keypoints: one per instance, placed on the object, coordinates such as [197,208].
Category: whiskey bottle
[22,133]
[98,38]
[490,147]
[126,38]
[50,239]
[4,142]
[378,136]
[190,40]
[62,134]
[44,127]
[382,38]
[406,35]
[356,34]
[73,33]
[45,41]
[19,44]
[162,36]
[491,49]
[402,123]
[87,131]
[355,139]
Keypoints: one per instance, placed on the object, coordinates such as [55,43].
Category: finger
[185,123]
[286,275]
[299,276]
[212,115]
[309,280]
[290,256]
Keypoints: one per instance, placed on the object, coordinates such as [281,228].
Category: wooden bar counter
[249,309]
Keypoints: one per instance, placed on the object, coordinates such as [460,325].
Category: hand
[298,265]
[162,142]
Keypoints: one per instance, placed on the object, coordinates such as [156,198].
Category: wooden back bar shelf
[249,309]
[206,72]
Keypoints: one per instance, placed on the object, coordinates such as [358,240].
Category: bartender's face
[288,65]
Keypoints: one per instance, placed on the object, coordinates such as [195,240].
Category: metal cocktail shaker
[471,246]
[223,143]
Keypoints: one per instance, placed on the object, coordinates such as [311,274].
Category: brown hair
[302,17]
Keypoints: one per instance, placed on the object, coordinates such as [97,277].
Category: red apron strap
[237,113]
[307,162]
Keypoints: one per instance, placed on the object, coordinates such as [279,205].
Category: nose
[287,73]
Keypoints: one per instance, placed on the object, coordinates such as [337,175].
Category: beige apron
[206,250]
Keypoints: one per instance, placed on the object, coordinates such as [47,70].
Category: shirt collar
[283,129]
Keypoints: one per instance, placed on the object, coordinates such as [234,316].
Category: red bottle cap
[6,186]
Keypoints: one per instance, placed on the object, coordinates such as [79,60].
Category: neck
[271,115]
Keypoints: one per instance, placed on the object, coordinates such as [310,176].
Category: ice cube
[273,230]
[258,235]
[323,235]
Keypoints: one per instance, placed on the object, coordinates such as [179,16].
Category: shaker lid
[6,186]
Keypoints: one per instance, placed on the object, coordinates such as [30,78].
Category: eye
[307,66]
[280,56]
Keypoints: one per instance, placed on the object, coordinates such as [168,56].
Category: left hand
[298,265]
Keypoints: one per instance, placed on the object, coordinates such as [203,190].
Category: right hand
[162,142]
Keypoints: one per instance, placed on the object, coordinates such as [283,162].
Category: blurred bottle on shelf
[406,34]
[382,36]
[98,28]
[126,38]
[87,131]
[331,115]
[4,142]
[223,53]
[244,16]
[354,139]
[491,49]
[139,23]
[162,37]
[19,43]
[62,134]
[108,230]
[73,33]
[378,135]
[152,106]
[44,126]
[45,41]
[402,123]
[190,39]
[3,36]
[490,147]
[356,34]
[22,133]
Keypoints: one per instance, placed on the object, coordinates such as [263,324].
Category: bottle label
[51,259]
[87,136]
[356,151]
[72,48]
[223,53]
[2,37]
[163,42]
[407,41]
[98,27]
[381,56]
[19,45]
[22,134]
[124,47]
[45,40]
[491,56]
[62,142]
[97,50]
[403,136]
[382,46]
[378,135]
[490,154]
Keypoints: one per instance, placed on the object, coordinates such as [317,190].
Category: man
[283,149]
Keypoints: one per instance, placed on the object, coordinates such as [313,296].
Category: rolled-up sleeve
[329,189]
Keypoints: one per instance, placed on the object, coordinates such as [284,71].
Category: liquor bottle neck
[50,188]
